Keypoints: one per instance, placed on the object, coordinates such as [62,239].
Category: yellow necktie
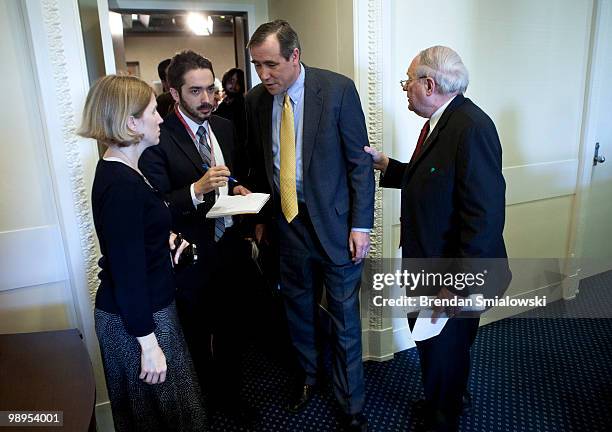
[288,192]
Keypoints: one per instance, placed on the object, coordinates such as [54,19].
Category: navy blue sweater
[133,225]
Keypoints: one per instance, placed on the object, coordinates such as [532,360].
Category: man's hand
[381,160]
[240,190]
[214,178]
[359,245]
[451,311]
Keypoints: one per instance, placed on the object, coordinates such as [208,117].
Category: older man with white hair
[452,206]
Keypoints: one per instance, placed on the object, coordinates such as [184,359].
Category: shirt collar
[435,118]
[295,90]
[192,125]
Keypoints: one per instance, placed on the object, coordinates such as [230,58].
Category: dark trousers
[445,369]
[210,298]
[304,268]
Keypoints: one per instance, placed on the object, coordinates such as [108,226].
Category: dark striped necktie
[203,146]
[205,154]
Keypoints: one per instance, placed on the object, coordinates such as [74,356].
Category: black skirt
[174,405]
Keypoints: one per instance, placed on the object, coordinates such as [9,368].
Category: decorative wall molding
[56,50]
[375,132]
[58,56]
[540,181]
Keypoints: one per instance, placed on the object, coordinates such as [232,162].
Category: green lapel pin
[432,169]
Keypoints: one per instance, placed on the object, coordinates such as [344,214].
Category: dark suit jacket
[234,112]
[338,179]
[453,193]
[165,104]
[174,164]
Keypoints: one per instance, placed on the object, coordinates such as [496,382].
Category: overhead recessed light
[115,22]
[199,24]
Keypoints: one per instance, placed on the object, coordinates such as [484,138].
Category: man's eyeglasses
[405,83]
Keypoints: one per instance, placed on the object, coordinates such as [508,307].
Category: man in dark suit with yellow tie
[306,131]
[452,209]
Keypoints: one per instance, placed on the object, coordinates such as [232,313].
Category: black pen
[230,178]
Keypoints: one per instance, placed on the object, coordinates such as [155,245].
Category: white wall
[325,29]
[528,66]
[150,50]
[34,289]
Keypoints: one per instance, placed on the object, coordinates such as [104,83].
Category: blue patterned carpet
[529,374]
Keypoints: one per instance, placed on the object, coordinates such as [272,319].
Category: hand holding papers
[425,328]
[228,205]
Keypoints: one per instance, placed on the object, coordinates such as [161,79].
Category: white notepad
[228,205]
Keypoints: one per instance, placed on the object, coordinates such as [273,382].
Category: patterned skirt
[174,405]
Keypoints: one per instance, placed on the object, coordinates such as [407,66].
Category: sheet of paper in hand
[228,205]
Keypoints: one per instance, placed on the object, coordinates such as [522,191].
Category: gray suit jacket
[338,176]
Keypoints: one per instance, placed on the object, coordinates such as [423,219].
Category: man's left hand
[359,245]
[451,311]
[240,190]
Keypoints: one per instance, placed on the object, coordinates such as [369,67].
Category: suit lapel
[183,140]
[432,139]
[264,116]
[313,107]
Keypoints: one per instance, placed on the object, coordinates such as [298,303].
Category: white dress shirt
[216,154]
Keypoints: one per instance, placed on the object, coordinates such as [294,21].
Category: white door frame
[601,21]
[254,20]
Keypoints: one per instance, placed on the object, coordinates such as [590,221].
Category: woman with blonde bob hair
[149,374]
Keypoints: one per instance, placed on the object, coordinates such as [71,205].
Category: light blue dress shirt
[296,94]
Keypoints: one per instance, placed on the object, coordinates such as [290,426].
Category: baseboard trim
[104,417]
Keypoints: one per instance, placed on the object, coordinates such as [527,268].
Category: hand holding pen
[230,178]
[213,178]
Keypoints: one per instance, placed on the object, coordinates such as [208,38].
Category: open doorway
[143,38]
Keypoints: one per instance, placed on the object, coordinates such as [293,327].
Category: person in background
[165,102]
[232,106]
[149,374]
[218,94]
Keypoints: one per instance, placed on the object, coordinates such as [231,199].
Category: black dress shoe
[356,423]
[437,421]
[301,399]
[420,406]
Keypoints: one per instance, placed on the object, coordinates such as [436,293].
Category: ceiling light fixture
[199,24]
[115,23]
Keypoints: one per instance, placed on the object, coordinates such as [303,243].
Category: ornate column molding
[374,120]
[80,194]
[58,58]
